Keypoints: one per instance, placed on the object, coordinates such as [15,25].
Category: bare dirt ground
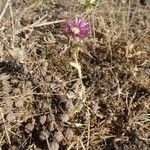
[39,89]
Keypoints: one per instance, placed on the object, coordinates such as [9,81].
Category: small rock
[64,117]
[44,134]
[95,107]
[71,95]
[58,136]
[69,134]
[42,119]
[29,127]
[69,105]
[51,122]
[40,105]
[44,106]
[12,147]
[14,81]
[16,91]
[29,84]
[10,117]
[54,145]
[50,118]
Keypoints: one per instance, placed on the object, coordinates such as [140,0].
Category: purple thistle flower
[78,28]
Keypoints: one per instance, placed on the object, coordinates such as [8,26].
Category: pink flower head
[78,28]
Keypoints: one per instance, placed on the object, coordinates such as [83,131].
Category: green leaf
[89,3]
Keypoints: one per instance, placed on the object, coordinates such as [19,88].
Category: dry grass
[48,100]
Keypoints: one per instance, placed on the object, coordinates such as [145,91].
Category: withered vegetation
[39,89]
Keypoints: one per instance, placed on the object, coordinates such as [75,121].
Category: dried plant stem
[1,112]
[4,10]
[37,24]
[12,23]
[48,145]
[88,126]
